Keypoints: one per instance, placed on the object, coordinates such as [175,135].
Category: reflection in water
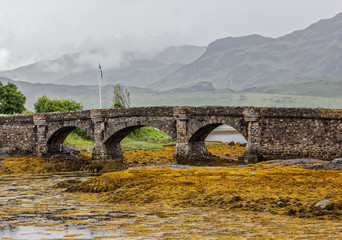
[31,232]
[237,138]
[226,133]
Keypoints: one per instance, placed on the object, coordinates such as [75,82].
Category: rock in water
[337,161]
[322,204]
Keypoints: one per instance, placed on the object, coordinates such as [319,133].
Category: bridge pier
[112,152]
[181,153]
[252,152]
[188,151]
[192,152]
[102,151]
[39,120]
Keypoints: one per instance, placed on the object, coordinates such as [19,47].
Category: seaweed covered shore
[301,188]
[277,188]
[155,199]
[81,160]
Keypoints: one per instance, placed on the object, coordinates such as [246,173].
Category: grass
[145,138]
[223,97]
[323,86]
[78,142]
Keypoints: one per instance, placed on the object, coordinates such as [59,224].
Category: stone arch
[86,126]
[204,129]
[193,150]
[112,146]
[56,137]
[125,127]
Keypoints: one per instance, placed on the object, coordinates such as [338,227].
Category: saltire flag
[101,71]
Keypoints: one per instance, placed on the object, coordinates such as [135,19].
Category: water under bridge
[271,133]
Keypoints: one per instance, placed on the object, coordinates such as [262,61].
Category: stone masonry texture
[271,133]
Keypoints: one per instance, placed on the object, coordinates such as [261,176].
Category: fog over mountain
[305,62]
[138,71]
[249,63]
[40,30]
[237,63]
[255,61]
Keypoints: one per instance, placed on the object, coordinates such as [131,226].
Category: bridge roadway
[271,133]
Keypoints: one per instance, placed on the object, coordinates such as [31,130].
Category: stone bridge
[271,133]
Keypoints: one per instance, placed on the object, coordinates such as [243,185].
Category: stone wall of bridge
[300,133]
[194,124]
[17,134]
[271,133]
[112,125]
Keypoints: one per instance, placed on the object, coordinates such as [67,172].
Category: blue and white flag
[101,71]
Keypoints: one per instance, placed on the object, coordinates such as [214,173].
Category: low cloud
[4,57]
[115,31]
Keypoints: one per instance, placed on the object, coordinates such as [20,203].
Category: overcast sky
[45,29]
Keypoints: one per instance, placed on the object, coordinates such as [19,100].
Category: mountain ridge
[256,61]
[240,64]
[73,69]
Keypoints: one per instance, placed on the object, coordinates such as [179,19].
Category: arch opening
[69,139]
[220,140]
[140,145]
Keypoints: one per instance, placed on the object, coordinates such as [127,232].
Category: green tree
[121,98]
[45,104]
[11,99]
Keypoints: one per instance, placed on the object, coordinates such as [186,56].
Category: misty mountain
[309,58]
[254,61]
[88,95]
[198,87]
[296,95]
[73,69]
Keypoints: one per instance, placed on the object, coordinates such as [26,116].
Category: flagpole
[100,86]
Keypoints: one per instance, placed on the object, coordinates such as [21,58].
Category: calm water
[225,133]
[32,232]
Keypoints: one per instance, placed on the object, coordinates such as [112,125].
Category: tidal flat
[262,201]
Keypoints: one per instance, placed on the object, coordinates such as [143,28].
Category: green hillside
[314,93]
[326,87]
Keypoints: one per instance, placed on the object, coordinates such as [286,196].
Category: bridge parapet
[301,113]
[134,112]
[216,111]
[67,116]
